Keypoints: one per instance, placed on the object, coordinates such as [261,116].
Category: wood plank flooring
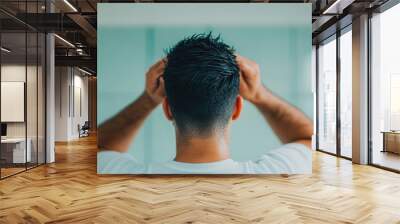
[70,191]
[10,171]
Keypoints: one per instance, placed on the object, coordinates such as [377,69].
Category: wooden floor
[5,172]
[387,159]
[70,191]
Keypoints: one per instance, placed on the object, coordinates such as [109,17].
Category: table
[13,150]
[391,141]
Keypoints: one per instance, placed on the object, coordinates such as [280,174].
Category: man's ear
[167,109]
[237,108]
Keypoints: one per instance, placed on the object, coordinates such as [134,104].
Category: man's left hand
[155,82]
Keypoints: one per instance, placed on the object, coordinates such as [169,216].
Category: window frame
[371,14]
[333,37]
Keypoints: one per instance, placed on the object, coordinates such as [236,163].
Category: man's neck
[201,150]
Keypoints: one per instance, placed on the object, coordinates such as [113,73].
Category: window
[327,96]
[346,93]
[385,89]
[394,102]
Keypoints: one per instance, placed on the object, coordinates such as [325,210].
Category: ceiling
[76,22]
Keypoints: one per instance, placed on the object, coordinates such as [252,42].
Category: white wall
[80,110]
[33,126]
[16,72]
[70,84]
[61,103]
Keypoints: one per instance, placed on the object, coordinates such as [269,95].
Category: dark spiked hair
[201,83]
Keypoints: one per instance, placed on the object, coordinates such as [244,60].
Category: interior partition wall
[22,77]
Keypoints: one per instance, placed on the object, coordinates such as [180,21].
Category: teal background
[280,45]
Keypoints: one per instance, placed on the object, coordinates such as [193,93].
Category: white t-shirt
[291,158]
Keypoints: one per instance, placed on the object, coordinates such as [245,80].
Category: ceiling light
[79,51]
[70,5]
[65,41]
[338,6]
[5,50]
[84,71]
[328,10]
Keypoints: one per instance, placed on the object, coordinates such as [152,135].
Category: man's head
[202,85]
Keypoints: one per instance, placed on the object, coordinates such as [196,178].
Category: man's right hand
[250,81]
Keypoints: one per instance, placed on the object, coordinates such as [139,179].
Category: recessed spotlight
[64,40]
[5,50]
[84,71]
[70,5]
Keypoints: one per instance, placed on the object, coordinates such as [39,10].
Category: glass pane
[327,97]
[32,88]
[386,89]
[41,98]
[31,98]
[22,89]
[13,87]
[346,94]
